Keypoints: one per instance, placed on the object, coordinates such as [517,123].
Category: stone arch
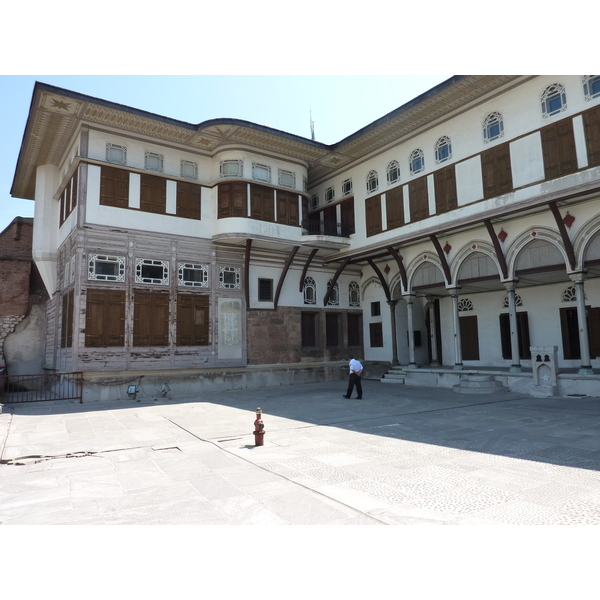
[369,281]
[587,242]
[534,234]
[467,252]
[416,269]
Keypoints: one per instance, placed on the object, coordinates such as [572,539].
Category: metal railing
[39,388]
[314,227]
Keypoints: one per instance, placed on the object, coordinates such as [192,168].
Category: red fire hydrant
[259,429]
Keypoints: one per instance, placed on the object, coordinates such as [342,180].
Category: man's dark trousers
[354,381]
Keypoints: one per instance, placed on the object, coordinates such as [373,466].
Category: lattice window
[591,86]
[154,162]
[393,172]
[518,301]
[314,201]
[287,178]
[310,291]
[416,161]
[261,172]
[102,267]
[115,154]
[372,182]
[329,195]
[229,278]
[151,271]
[231,168]
[189,169]
[334,296]
[304,184]
[443,150]
[347,187]
[354,294]
[554,100]
[569,295]
[193,275]
[493,127]
[464,304]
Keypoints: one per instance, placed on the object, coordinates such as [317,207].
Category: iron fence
[39,388]
[315,227]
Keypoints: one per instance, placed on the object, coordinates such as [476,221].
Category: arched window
[443,150]
[310,291]
[354,294]
[417,161]
[334,296]
[591,86]
[554,100]
[372,182]
[393,172]
[493,127]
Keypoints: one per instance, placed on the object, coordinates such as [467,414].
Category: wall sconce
[165,389]
[132,391]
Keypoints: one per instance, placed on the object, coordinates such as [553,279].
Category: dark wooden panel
[496,170]
[114,187]
[418,199]
[373,215]
[591,124]
[153,194]
[469,338]
[188,200]
[558,147]
[446,198]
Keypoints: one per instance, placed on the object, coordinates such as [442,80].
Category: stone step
[478,384]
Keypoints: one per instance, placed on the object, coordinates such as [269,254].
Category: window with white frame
[314,201]
[189,169]
[151,271]
[261,172]
[416,161]
[334,295]
[154,162]
[353,294]
[393,172]
[304,184]
[229,278]
[372,182]
[286,178]
[310,291]
[493,127]
[193,275]
[443,150]
[329,195]
[231,168]
[102,267]
[117,155]
[347,187]
[554,100]
[591,86]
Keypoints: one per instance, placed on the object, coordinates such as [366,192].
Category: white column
[514,332]
[584,339]
[458,365]
[411,336]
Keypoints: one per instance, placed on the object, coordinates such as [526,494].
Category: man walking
[355,371]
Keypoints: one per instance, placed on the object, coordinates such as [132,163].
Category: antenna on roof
[312,127]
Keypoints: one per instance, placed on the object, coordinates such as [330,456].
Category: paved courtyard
[401,456]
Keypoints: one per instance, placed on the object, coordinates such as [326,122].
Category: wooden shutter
[569,326]
[75,189]
[114,187]
[593,315]
[558,147]
[347,215]
[445,190]
[418,200]
[330,220]
[192,320]
[331,329]
[373,215]
[376,335]
[105,318]
[469,338]
[591,125]
[153,194]
[394,207]
[522,333]
[188,200]
[151,319]
[66,334]
[354,329]
[262,203]
[497,174]
[309,332]
[287,208]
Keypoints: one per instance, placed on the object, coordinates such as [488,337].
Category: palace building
[457,235]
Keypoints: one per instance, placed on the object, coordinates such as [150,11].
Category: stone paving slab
[401,456]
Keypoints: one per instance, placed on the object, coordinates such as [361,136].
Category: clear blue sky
[340,105]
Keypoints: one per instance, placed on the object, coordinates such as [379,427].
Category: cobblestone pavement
[401,456]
